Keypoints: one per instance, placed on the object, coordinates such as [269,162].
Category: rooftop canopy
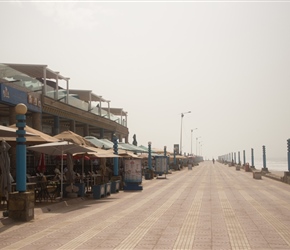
[36,70]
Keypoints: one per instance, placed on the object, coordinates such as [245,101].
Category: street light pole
[191,140]
[182,114]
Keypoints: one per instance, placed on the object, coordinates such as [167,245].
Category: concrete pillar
[101,133]
[36,121]
[86,130]
[12,115]
[112,136]
[72,126]
[56,125]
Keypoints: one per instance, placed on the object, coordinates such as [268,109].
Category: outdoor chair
[41,192]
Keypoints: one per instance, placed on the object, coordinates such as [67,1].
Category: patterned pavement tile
[209,207]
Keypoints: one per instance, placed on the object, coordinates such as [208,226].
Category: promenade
[212,206]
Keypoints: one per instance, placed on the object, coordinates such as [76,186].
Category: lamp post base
[21,206]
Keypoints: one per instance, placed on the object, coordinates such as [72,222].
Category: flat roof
[85,95]
[116,111]
[36,70]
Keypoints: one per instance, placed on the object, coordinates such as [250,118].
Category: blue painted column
[21,110]
[264,156]
[167,158]
[244,157]
[252,157]
[149,156]
[264,159]
[116,160]
[174,157]
[239,158]
[235,158]
[288,149]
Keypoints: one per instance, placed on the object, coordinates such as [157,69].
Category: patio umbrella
[33,140]
[5,169]
[74,138]
[127,154]
[97,153]
[41,164]
[10,132]
[59,148]
[77,139]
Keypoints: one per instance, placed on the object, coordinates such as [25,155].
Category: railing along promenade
[234,159]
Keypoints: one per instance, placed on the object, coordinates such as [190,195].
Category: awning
[133,148]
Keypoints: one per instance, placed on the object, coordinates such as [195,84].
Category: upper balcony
[39,79]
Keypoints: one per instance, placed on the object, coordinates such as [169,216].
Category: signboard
[14,96]
[176,148]
[133,170]
[161,165]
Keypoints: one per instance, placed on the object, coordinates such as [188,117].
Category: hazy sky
[226,62]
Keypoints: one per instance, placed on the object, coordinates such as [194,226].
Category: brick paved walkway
[209,207]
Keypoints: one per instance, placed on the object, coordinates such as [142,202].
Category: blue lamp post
[116,161]
[235,158]
[21,203]
[288,153]
[244,157]
[252,158]
[149,156]
[21,110]
[264,159]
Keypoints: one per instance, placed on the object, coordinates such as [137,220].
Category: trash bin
[247,167]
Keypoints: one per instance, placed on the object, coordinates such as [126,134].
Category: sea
[279,164]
